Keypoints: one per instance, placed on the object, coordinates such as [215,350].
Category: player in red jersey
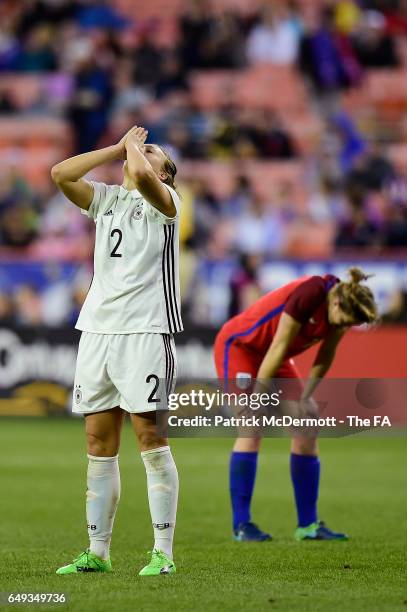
[259,344]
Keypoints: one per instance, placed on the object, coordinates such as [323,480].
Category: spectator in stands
[7,107]
[374,47]
[397,308]
[129,96]
[396,19]
[347,16]
[171,77]
[34,13]
[357,231]
[28,306]
[259,133]
[18,211]
[224,46]
[206,213]
[395,228]
[326,57]
[99,14]
[37,53]
[244,285]
[261,229]
[10,48]
[7,313]
[373,170]
[351,143]
[18,226]
[91,101]
[327,201]
[147,61]
[195,27]
[271,137]
[274,38]
[238,201]
[178,137]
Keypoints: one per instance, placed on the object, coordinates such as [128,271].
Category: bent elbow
[142,176]
[56,174]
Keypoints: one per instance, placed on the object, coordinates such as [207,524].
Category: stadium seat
[29,130]
[308,240]
[398,155]
[265,176]
[24,90]
[387,90]
[263,86]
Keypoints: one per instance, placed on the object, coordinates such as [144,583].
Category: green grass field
[363,492]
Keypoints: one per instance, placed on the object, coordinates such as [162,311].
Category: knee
[247,445]
[148,440]
[99,447]
[304,446]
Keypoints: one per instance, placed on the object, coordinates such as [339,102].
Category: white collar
[123,192]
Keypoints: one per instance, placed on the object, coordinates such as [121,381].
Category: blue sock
[305,478]
[242,475]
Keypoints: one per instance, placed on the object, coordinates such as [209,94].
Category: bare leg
[103,430]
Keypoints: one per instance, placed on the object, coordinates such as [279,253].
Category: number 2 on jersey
[114,253]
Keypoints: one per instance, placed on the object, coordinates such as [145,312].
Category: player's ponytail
[357,275]
[170,169]
[356,299]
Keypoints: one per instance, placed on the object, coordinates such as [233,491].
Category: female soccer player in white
[128,320]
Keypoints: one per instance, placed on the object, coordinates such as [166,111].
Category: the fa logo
[78,394]
[243,380]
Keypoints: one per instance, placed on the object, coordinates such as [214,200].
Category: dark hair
[355,299]
[170,168]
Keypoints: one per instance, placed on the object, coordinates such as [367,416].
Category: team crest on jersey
[137,212]
[243,380]
[78,394]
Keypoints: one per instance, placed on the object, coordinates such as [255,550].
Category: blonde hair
[356,299]
[170,168]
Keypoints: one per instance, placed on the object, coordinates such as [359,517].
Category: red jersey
[305,299]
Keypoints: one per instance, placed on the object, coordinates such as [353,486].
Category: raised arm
[143,175]
[68,174]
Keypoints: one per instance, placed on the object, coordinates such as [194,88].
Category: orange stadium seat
[165,8]
[260,87]
[387,85]
[387,90]
[34,133]
[24,90]
[402,50]
[35,168]
[305,128]
[212,88]
[307,240]
[265,176]
[398,155]
[137,9]
[271,87]
[33,144]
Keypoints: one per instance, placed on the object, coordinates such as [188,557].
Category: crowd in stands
[116,69]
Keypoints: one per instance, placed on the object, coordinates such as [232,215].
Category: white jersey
[135,287]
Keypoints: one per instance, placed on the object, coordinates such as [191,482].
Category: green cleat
[160,564]
[318,531]
[86,562]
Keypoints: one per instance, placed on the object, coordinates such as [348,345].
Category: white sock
[162,485]
[102,498]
